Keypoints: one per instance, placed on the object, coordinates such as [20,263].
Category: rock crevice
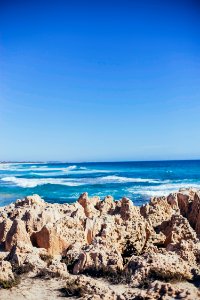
[159,240]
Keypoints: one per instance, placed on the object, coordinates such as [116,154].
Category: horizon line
[79,162]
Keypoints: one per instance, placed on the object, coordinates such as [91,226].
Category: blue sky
[101,81]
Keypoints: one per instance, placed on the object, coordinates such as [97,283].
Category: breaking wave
[33,182]
[162,189]
[30,183]
[119,179]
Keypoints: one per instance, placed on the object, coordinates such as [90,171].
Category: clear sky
[103,81]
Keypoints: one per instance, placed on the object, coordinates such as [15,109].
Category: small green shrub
[8,284]
[166,276]
[23,269]
[47,274]
[72,289]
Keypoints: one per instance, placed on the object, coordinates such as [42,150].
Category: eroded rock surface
[142,247]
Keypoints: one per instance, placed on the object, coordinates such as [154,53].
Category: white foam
[30,183]
[33,182]
[90,171]
[24,168]
[5,166]
[69,168]
[119,179]
[162,189]
[12,167]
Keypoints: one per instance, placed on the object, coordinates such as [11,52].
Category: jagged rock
[158,240]
[78,212]
[134,236]
[17,233]
[58,269]
[106,206]
[188,202]
[30,200]
[22,254]
[153,238]
[158,210]
[182,239]
[97,258]
[6,273]
[194,213]
[156,265]
[91,289]
[128,210]
[4,228]
[177,230]
[89,230]
[160,290]
[49,238]
[57,237]
[88,205]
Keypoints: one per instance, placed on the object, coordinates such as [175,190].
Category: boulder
[158,210]
[17,233]
[168,266]
[6,273]
[98,257]
[49,239]
[88,205]
[5,226]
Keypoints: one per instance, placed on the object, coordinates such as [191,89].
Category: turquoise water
[64,182]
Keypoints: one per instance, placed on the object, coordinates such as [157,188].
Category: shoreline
[102,249]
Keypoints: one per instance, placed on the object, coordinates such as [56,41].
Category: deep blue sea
[64,182]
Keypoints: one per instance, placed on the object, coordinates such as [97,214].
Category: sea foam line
[30,183]
[162,189]
[120,179]
[33,182]
[36,168]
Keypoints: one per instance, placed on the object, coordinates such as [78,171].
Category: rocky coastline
[102,249]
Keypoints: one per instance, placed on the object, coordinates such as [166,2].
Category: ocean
[64,182]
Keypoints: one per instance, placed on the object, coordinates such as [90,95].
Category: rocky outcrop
[158,241]
[6,273]
[4,228]
[17,233]
[89,205]
[157,211]
[161,290]
[166,266]
[99,257]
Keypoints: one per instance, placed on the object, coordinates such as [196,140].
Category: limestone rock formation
[143,247]
[99,258]
[166,266]
[6,273]
[17,233]
[160,290]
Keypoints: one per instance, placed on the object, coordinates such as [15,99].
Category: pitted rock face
[97,258]
[167,266]
[128,210]
[108,236]
[6,273]
[17,233]
[5,226]
[160,290]
[158,210]
[88,205]
[30,200]
[194,213]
